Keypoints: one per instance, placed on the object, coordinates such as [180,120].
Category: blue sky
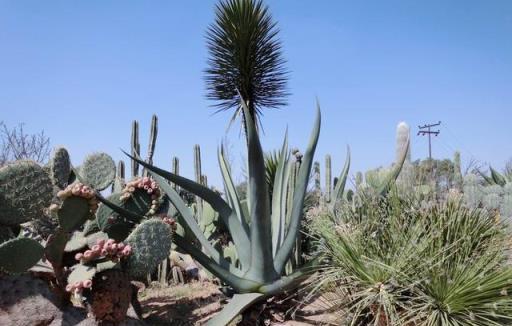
[83,70]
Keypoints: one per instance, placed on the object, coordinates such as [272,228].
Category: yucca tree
[245,59]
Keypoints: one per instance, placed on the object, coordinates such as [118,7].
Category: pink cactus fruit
[87,284]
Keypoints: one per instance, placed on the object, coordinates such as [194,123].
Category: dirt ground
[196,302]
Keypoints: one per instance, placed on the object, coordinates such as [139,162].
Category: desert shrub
[396,261]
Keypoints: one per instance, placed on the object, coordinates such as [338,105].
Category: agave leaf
[236,306]
[261,228]
[342,180]
[231,189]
[395,171]
[279,196]
[497,177]
[129,215]
[190,221]
[289,282]
[231,194]
[227,276]
[488,180]
[285,251]
[240,237]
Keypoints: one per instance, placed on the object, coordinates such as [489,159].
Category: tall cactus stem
[197,171]
[152,138]
[316,171]
[328,178]
[175,169]
[135,147]
[457,172]
[402,138]
[120,169]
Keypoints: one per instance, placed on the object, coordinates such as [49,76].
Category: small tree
[17,144]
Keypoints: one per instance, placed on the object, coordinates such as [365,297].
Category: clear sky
[83,70]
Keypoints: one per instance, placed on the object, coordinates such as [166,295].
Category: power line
[426,130]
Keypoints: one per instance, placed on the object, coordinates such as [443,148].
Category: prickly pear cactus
[60,167]
[151,244]
[506,204]
[110,296]
[493,197]
[19,254]
[473,193]
[108,221]
[25,190]
[98,170]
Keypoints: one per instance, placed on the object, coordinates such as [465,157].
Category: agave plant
[262,239]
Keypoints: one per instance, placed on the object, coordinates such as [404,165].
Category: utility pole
[426,130]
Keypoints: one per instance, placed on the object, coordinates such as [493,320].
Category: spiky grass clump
[391,262]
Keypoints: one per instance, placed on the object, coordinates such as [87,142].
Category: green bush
[391,261]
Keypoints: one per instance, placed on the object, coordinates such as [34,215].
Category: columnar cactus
[152,138]
[176,169]
[135,147]
[402,141]
[457,172]
[328,178]
[316,171]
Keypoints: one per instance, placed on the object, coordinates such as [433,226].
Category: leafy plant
[263,242]
[393,261]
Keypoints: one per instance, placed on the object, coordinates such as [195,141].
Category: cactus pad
[81,273]
[139,202]
[73,212]
[18,255]
[60,167]
[5,233]
[151,244]
[98,170]
[92,239]
[110,222]
[77,242]
[105,215]
[91,227]
[25,190]
[55,246]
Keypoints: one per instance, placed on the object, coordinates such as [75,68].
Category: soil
[195,303]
